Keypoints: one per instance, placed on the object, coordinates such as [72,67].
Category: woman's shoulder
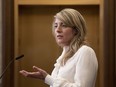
[85,48]
[86,53]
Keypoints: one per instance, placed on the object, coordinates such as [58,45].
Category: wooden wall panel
[36,41]
[58,2]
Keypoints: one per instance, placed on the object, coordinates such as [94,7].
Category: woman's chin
[61,44]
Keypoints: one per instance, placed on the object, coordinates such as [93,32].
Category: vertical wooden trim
[101,51]
[0,40]
[7,41]
[16,42]
[109,43]
[115,40]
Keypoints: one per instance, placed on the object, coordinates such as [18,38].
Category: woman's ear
[75,31]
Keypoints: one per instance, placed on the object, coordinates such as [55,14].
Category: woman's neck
[65,49]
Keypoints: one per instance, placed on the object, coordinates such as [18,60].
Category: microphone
[19,57]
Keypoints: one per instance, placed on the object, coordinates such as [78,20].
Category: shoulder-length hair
[72,18]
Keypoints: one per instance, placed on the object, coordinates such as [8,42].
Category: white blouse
[79,71]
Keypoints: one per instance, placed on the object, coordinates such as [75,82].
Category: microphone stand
[10,64]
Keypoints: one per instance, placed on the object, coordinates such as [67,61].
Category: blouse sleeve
[85,73]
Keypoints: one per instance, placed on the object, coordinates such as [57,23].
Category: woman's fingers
[38,73]
[25,73]
[35,68]
[38,69]
[30,74]
[42,72]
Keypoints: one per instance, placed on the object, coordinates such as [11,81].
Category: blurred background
[26,28]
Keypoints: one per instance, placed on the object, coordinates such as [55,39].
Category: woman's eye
[55,26]
[64,25]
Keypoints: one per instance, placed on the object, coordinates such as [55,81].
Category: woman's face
[63,34]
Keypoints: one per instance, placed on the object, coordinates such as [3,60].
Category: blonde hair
[72,18]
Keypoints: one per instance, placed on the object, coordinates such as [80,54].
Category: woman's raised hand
[38,73]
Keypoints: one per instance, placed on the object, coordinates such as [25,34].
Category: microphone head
[19,57]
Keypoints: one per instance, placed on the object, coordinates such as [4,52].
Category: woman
[77,66]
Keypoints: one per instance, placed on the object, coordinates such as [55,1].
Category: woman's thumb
[35,68]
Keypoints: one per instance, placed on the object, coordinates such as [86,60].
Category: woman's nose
[59,29]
